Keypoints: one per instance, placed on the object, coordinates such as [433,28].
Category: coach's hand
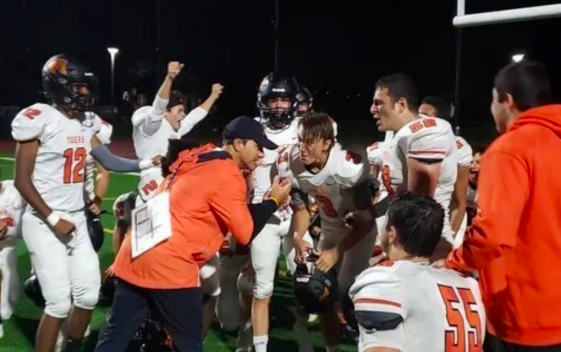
[280,190]
[64,228]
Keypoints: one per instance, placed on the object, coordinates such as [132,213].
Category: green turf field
[20,329]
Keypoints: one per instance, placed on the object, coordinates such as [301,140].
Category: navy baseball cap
[244,127]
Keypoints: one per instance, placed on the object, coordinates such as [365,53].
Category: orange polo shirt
[207,199]
[515,239]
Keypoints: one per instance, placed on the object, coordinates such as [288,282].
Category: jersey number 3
[470,324]
[74,165]
[327,206]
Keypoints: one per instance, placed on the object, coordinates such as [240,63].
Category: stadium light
[517,57]
[113,52]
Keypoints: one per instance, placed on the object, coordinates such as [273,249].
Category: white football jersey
[263,174]
[332,187]
[434,310]
[148,146]
[12,206]
[465,153]
[423,138]
[104,136]
[64,145]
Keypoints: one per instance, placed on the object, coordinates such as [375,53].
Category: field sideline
[19,331]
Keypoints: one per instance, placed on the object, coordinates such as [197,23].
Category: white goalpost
[463,20]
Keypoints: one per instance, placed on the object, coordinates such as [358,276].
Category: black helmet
[315,292]
[64,80]
[33,291]
[277,85]
[304,96]
[95,230]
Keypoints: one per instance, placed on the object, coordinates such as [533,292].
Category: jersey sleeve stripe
[377,301]
[427,152]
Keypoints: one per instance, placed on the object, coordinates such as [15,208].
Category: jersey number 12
[470,324]
[74,172]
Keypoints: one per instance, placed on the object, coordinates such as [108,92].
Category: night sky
[337,50]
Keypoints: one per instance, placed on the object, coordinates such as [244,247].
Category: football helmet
[33,291]
[304,100]
[276,85]
[69,85]
[315,291]
[95,230]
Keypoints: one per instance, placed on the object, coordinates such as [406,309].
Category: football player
[338,181]
[155,125]
[53,142]
[304,101]
[422,153]
[276,101]
[12,206]
[404,304]
[437,107]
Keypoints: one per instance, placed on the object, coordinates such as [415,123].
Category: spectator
[207,199]
[515,239]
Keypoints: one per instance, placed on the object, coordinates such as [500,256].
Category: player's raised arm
[199,113]
[150,120]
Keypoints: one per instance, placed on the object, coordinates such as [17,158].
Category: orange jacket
[207,199]
[515,239]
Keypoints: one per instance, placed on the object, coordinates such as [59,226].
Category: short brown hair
[317,125]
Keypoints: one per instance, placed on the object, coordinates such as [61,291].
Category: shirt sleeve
[30,124]
[191,120]
[428,140]
[377,295]
[149,119]
[490,235]
[465,153]
[375,154]
[229,203]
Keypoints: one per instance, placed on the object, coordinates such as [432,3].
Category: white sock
[333,348]
[260,343]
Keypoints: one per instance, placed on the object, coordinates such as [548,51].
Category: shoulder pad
[30,122]
[349,167]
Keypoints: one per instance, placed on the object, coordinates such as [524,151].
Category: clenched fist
[174,68]
[217,89]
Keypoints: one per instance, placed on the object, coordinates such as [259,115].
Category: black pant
[493,344]
[181,310]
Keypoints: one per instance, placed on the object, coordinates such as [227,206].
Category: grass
[20,329]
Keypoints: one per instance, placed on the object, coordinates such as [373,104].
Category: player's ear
[327,144]
[401,105]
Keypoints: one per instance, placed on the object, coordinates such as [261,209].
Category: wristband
[53,219]
[274,199]
[145,164]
